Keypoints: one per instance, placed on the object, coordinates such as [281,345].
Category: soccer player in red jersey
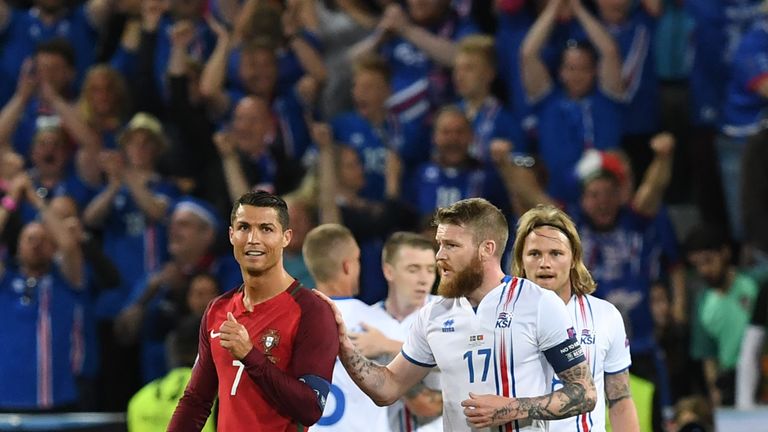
[266,348]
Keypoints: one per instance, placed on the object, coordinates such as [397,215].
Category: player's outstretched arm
[383,384]
[577,396]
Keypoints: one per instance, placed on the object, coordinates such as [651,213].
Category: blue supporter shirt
[136,245]
[41,342]
[624,261]
[745,109]
[432,186]
[568,127]
[25,31]
[420,84]
[719,26]
[371,143]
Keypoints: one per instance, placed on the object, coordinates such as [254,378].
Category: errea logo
[448,326]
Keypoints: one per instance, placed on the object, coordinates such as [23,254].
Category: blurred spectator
[51,171]
[473,75]
[131,208]
[188,117]
[722,312]
[103,103]
[372,130]
[102,275]
[258,73]
[340,24]
[582,113]
[744,116]
[41,297]
[158,299]
[52,66]
[151,408]
[420,45]
[453,174]
[290,29]
[130,212]
[23,30]
[633,27]
[718,28]
[203,287]
[251,156]
[340,182]
[158,24]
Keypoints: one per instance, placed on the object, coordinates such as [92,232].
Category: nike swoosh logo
[214,334]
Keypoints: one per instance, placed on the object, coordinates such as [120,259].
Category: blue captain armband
[319,385]
[565,355]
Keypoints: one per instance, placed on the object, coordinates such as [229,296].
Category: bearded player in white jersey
[496,339]
[548,251]
[333,259]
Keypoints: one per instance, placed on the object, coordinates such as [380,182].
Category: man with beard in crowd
[484,315]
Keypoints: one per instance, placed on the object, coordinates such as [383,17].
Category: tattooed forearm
[364,372]
[617,387]
[577,396]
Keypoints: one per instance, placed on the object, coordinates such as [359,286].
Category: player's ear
[287,236]
[487,249]
[388,271]
[231,234]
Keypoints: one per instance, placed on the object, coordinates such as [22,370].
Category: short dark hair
[60,47]
[484,219]
[262,198]
[705,237]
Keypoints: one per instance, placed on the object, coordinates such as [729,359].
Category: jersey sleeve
[617,358]
[300,392]
[555,334]
[416,348]
[195,406]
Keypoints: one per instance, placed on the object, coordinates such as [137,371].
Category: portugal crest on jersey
[269,340]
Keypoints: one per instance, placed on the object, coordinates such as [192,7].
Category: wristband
[8,203]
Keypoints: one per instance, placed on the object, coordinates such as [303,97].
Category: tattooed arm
[383,384]
[577,396]
[621,407]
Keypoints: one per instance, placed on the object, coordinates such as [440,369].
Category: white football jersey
[497,349]
[347,407]
[600,330]
[400,418]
